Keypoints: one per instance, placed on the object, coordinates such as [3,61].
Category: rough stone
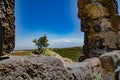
[48,68]
[7,27]
[89,69]
[32,68]
[110,65]
[115,20]
[110,59]
[106,67]
[118,44]
[117,73]
[94,10]
[101,24]
[110,40]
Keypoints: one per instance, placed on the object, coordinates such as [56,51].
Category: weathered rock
[118,44]
[111,65]
[82,58]
[109,60]
[115,20]
[32,68]
[101,24]
[117,73]
[94,10]
[110,40]
[96,53]
[7,27]
[89,69]
[48,68]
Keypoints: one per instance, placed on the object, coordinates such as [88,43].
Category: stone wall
[7,26]
[101,24]
[106,67]
[48,68]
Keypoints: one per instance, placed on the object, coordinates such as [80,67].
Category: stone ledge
[106,67]
[48,68]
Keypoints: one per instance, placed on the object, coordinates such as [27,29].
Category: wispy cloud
[65,42]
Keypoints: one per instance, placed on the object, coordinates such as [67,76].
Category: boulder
[111,65]
[89,69]
[110,59]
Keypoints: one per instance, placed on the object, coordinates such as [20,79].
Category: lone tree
[41,43]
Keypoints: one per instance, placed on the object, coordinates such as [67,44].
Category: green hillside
[72,53]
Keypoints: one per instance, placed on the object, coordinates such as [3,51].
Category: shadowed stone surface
[7,27]
[101,24]
[117,73]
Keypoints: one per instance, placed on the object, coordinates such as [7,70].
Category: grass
[21,53]
[72,53]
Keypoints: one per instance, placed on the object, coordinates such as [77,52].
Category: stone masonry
[100,23]
[7,27]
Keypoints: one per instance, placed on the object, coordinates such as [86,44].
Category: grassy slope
[72,53]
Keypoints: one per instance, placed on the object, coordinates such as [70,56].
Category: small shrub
[41,44]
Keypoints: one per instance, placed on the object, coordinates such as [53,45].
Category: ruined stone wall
[101,24]
[106,67]
[48,68]
[7,27]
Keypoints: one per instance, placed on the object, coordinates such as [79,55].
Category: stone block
[110,59]
[94,10]
[89,69]
[110,64]
[115,20]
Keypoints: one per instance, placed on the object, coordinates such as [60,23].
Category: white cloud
[65,42]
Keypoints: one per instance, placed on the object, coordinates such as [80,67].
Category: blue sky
[55,18]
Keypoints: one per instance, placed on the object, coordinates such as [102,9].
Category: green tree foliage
[41,43]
